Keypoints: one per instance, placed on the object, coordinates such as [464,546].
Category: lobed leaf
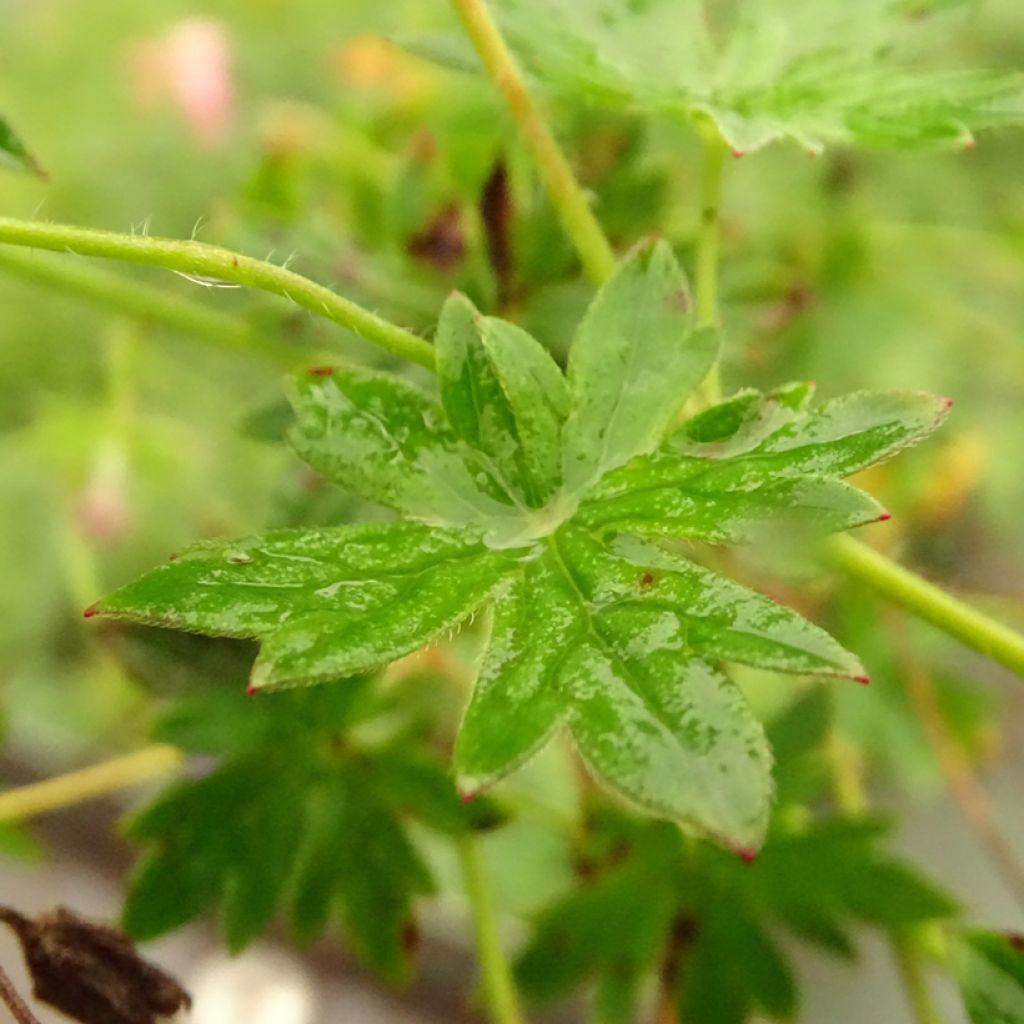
[295,819]
[815,72]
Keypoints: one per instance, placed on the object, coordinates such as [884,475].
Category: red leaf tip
[884,517]
[863,680]
[173,556]
[251,691]
[737,153]
[466,796]
[747,855]
[89,613]
[947,403]
[321,371]
[970,144]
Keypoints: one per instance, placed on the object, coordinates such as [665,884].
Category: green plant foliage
[14,153]
[816,72]
[296,816]
[990,969]
[526,491]
[652,906]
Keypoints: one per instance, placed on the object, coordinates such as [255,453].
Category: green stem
[928,602]
[910,965]
[567,194]
[498,982]
[203,260]
[142,302]
[848,788]
[712,168]
[88,783]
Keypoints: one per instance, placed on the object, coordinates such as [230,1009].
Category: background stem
[212,261]
[143,302]
[497,975]
[928,602]
[566,193]
[18,1007]
[712,168]
[87,783]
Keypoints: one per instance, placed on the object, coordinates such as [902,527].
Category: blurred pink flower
[191,65]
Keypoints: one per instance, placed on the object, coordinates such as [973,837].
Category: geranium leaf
[296,820]
[637,356]
[815,72]
[533,492]
[990,970]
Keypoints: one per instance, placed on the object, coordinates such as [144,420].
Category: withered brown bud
[92,972]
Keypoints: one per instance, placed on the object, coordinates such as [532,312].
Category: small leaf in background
[816,72]
[990,970]
[296,817]
[91,972]
[648,907]
[14,154]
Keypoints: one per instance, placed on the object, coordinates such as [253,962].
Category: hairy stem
[142,302]
[903,587]
[19,1008]
[566,193]
[198,258]
[499,985]
[967,793]
[88,783]
[712,168]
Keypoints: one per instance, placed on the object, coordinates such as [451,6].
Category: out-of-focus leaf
[15,154]
[816,72]
[990,970]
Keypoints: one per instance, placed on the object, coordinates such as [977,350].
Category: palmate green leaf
[816,72]
[990,971]
[645,899]
[636,358]
[531,492]
[14,154]
[292,820]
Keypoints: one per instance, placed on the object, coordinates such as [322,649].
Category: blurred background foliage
[305,136]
